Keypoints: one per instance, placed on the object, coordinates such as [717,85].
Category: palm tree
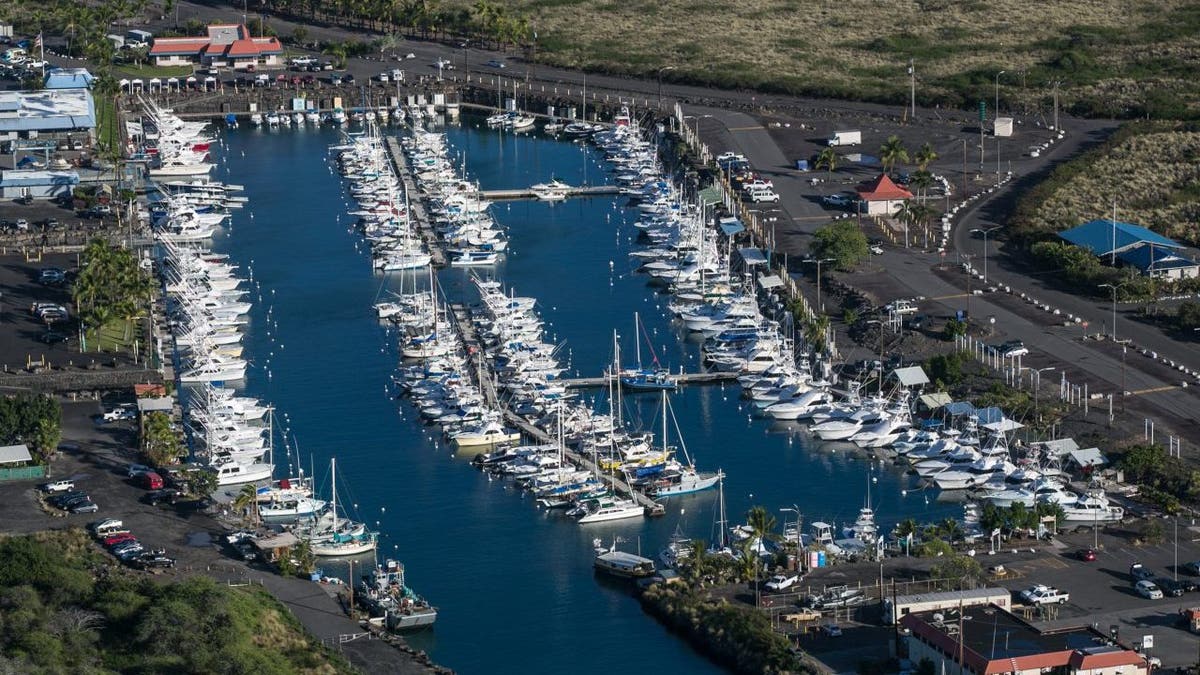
[698,561]
[906,527]
[816,330]
[247,501]
[829,159]
[893,152]
[951,529]
[921,180]
[925,156]
[748,562]
[761,523]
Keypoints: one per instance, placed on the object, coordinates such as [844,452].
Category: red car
[1086,555]
[118,538]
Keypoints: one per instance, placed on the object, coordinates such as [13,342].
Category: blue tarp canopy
[989,415]
[731,226]
[753,256]
[960,408]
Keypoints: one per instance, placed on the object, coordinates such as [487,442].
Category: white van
[762,194]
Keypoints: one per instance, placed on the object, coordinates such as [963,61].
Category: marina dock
[417,214]
[529,193]
[714,377]
[466,330]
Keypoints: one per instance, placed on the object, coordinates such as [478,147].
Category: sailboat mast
[664,407]
[637,338]
[333,489]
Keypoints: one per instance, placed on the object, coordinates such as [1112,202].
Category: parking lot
[24,336]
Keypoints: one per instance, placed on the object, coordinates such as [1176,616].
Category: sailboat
[646,379]
[355,541]
[687,480]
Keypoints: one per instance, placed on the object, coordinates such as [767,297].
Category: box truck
[1003,127]
[845,138]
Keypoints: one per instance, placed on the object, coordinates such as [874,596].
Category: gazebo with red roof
[881,196]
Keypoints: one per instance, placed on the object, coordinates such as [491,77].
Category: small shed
[11,455]
[911,376]
[882,196]
[275,547]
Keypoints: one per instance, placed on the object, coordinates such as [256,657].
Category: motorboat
[391,603]
[621,563]
[604,510]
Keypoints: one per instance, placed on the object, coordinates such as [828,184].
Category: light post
[1175,567]
[1114,288]
[912,83]
[1037,387]
[660,72]
[817,262]
[986,232]
[997,112]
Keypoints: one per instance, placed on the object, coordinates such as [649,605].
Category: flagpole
[42,53]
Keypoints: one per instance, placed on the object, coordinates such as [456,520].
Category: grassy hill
[1114,58]
[64,608]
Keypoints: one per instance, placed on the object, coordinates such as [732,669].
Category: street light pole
[985,247]
[820,307]
[660,72]
[1114,288]
[912,81]
[997,111]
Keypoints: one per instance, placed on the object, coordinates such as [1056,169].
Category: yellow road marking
[754,128]
[949,297]
[1153,390]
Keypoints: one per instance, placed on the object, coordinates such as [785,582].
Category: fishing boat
[613,508]
[554,191]
[391,603]
[621,563]
[473,258]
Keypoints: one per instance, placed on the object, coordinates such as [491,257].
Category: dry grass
[1114,56]
[1154,177]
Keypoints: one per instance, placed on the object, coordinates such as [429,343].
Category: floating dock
[529,193]
[417,215]
[475,351]
[714,377]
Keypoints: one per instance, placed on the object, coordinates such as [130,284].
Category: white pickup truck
[1044,595]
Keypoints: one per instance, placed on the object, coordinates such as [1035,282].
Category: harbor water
[513,584]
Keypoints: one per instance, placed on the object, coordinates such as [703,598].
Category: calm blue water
[514,586]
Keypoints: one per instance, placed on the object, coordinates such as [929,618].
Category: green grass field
[112,337]
[1113,58]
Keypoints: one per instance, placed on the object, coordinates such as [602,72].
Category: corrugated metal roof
[1103,236]
[935,401]
[1089,457]
[1164,258]
[22,178]
[752,256]
[912,376]
[15,454]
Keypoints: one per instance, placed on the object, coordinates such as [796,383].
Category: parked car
[153,561]
[51,276]
[1086,554]
[832,630]
[120,537]
[836,200]
[494,63]
[137,470]
[1147,589]
[156,497]
[106,526]
[58,486]
[52,338]
[1170,587]
[1012,349]
[1139,572]
[61,500]
[782,582]
[84,506]
[123,413]
[1192,567]
[1044,595]
[149,480]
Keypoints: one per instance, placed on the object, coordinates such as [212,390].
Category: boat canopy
[752,256]
[769,281]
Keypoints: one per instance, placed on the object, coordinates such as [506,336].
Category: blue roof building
[47,111]
[1104,237]
[68,78]
[1157,261]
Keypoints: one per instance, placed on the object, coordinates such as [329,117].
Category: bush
[954,328]
[843,242]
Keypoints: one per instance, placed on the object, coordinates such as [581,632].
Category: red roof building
[227,46]
[881,196]
[991,641]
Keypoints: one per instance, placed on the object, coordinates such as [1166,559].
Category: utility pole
[964,169]
[1056,83]
[912,80]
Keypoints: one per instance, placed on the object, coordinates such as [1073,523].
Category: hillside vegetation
[63,610]
[1114,58]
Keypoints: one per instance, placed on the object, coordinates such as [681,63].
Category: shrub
[843,242]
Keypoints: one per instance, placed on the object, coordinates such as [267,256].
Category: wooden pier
[529,193]
[681,379]
[417,215]
[475,352]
